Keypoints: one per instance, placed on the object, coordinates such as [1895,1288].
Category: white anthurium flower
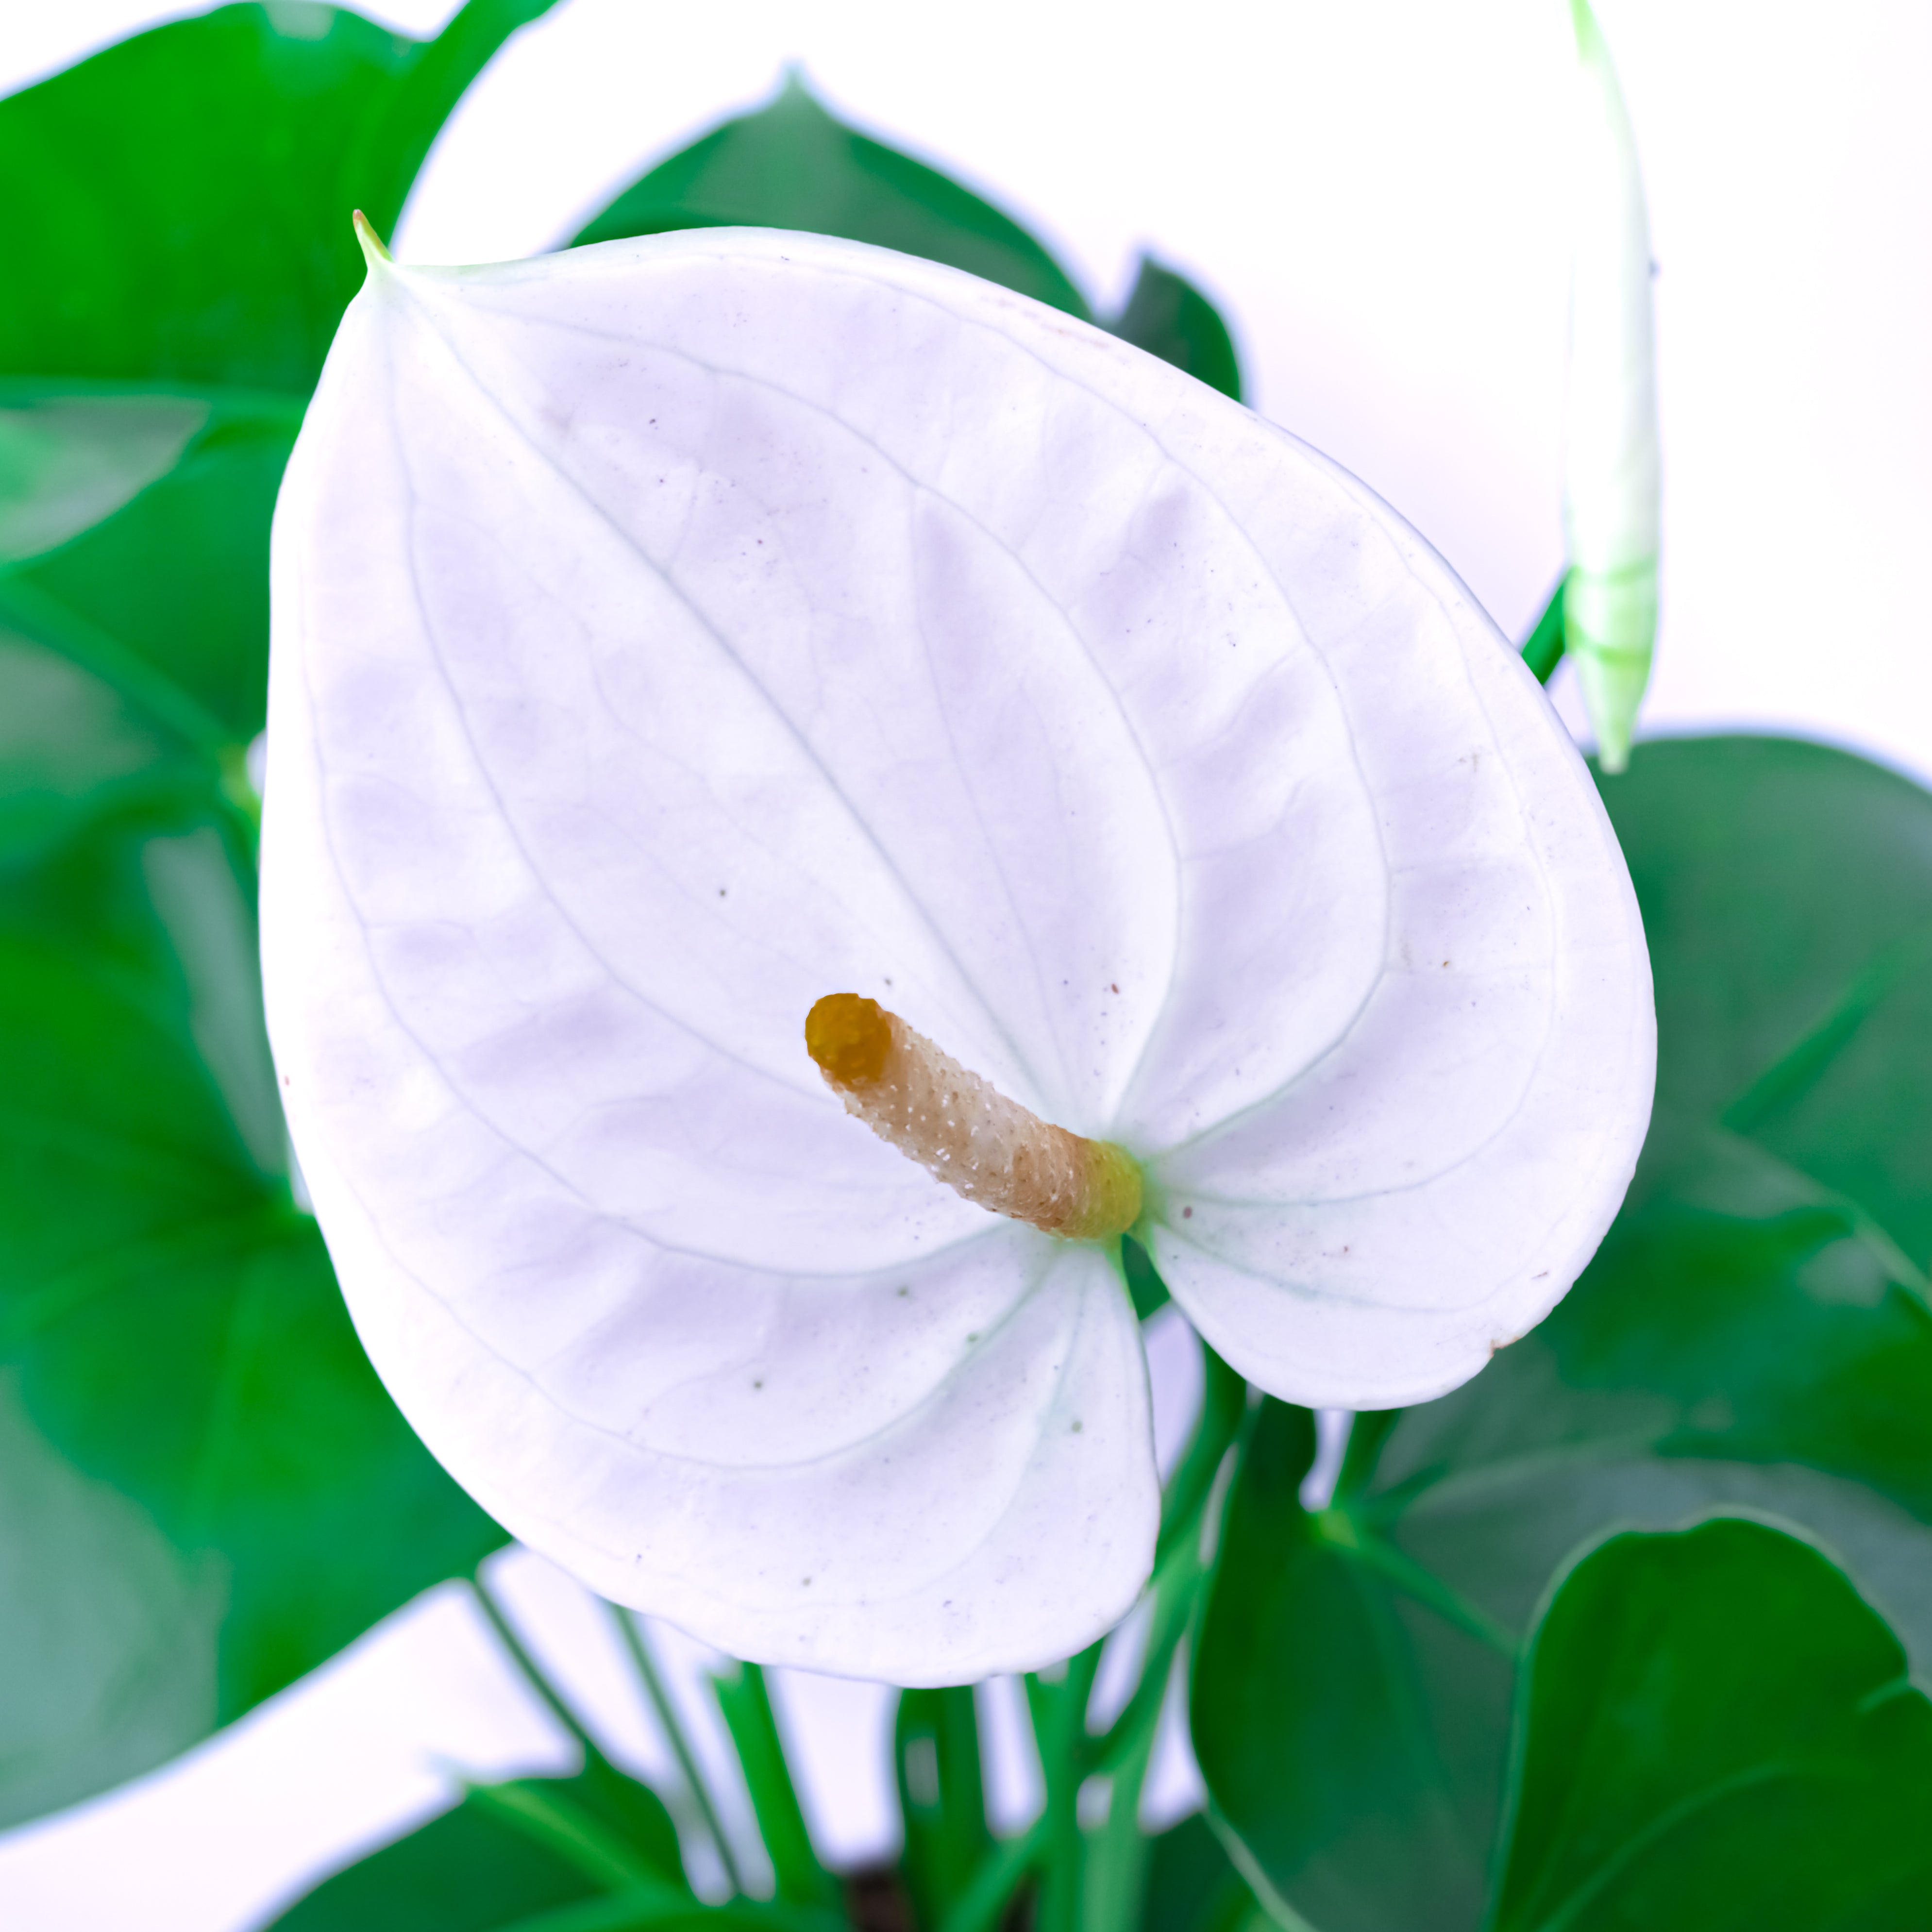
[1610,480]
[672,634]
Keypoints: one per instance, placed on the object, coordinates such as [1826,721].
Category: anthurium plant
[825,831]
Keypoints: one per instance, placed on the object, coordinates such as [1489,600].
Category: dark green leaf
[1169,316]
[1787,891]
[173,1329]
[1762,1356]
[178,204]
[1144,1281]
[1327,1712]
[791,165]
[942,1796]
[1716,1733]
[1192,1885]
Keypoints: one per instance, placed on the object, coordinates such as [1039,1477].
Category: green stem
[532,1675]
[1059,1722]
[1113,1869]
[1224,1402]
[1084,1874]
[980,1906]
[745,1706]
[639,1648]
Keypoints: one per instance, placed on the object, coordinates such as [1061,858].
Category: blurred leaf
[537,1855]
[613,1829]
[791,165]
[134,1622]
[172,1322]
[1192,1885]
[1716,1733]
[178,204]
[178,577]
[72,748]
[1761,1358]
[471,1870]
[1169,316]
[67,461]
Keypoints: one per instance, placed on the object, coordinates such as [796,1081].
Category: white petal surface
[670,633]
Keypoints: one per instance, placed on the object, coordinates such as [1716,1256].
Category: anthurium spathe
[672,634]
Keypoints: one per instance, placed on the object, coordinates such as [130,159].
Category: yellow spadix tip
[849,1036]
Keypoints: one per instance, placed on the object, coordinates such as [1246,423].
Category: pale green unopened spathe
[1610,470]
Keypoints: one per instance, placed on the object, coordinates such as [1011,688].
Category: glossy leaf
[172,1327]
[178,204]
[657,651]
[1716,1732]
[793,165]
[1705,1360]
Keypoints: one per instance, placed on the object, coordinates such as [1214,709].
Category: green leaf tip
[373,252]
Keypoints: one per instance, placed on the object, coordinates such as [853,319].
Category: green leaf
[74,749]
[473,1869]
[791,165]
[1192,1885]
[178,204]
[67,461]
[1325,1706]
[1786,890]
[942,1796]
[1762,1357]
[171,1323]
[1716,1732]
[1543,648]
[1169,316]
[134,1622]
[177,578]
[614,1829]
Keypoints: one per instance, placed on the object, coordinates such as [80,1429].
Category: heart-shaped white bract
[671,632]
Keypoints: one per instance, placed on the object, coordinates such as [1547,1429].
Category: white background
[1374,192]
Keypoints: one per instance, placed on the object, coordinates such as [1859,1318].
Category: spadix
[669,633]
